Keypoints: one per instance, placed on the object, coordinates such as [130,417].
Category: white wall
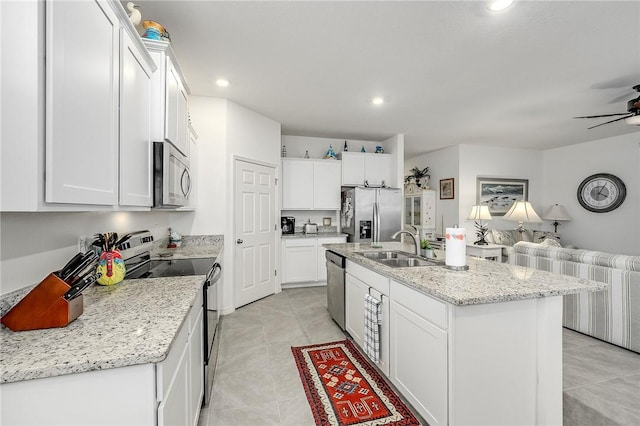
[565,168]
[485,161]
[226,131]
[443,164]
[35,244]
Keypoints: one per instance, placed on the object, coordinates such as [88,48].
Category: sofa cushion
[505,238]
[550,242]
[540,236]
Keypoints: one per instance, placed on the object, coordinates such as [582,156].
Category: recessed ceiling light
[222,82]
[378,100]
[498,5]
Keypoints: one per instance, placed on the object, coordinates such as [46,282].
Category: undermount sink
[381,255]
[398,259]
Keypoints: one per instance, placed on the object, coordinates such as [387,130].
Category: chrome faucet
[416,239]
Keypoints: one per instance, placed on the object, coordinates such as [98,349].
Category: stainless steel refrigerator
[370,214]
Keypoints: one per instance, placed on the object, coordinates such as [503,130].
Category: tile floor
[257,381]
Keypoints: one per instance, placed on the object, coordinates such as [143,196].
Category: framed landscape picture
[500,194]
[446,189]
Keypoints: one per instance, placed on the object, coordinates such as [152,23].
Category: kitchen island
[482,346]
[121,362]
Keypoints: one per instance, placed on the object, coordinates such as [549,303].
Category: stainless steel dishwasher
[335,287]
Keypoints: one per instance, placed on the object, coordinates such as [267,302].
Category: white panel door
[377,169]
[135,126]
[353,168]
[326,184]
[82,68]
[255,233]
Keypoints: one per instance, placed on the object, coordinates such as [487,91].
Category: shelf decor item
[331,154]
[418,176]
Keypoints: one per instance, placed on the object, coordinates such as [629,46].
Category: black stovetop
[173,268]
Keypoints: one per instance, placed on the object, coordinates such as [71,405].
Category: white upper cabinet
[77,134]
[81,102]
[361,167]
[135,126]
[169,98]
[310,184]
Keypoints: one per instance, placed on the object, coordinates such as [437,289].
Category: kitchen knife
[71,264]
[87,259]
[82,285]
[89,268]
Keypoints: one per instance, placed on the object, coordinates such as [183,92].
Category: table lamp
[556,212]
[522,211]
[478,214]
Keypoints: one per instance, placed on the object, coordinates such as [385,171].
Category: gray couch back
[612,315]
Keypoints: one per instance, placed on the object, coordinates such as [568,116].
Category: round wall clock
[601,193]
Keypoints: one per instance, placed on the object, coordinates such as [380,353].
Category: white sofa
[508,237]
[612,315]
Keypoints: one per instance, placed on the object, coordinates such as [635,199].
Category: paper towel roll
[456,247]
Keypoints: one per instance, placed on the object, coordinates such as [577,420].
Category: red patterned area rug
[344,389]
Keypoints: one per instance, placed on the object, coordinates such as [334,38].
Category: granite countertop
[192,247]
[485,282]
[318,235]
[134,322]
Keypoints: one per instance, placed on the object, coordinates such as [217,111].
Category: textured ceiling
[452,71]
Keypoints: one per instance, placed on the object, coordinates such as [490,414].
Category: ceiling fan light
[633,120]
[499,5]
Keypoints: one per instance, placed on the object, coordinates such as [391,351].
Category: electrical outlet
[82,243]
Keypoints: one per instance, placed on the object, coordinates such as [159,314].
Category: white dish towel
[372,322]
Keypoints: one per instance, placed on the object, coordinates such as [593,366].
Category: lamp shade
[556,212]
[479,213]
[522,211]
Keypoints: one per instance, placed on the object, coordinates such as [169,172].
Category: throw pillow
[504,238]
[540,236]
[550,242]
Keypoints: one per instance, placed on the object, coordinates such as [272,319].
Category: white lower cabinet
[303,259]
[419,363]
[300,260]
[359,282]
[196,370]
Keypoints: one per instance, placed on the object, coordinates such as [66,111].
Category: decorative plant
[425,245]
[417,174]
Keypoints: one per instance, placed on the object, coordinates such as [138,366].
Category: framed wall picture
[499,194]
[446,189]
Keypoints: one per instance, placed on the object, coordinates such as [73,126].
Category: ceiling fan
[632,116]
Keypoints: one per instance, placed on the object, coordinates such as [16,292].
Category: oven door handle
[214,275]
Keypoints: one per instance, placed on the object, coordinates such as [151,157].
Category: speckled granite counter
[193,246]
[485,281]
[134,322]
[318,235]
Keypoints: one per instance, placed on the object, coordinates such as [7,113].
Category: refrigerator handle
[374,224]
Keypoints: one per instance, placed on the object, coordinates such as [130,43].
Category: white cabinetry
[300,260]
[420,209]
[135,121]
[310,184]
[81,102]
[322,262]
[180,375]
[303,259]
[360,281]
[76,152]
[169,96]
[361,167]
[419,352]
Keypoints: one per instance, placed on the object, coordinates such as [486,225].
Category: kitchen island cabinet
[482,346]
[133,357]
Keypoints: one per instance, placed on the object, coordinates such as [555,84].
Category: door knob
[239,241]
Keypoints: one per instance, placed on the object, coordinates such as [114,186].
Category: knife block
[44,307]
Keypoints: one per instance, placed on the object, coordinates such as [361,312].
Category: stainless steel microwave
[171,179]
